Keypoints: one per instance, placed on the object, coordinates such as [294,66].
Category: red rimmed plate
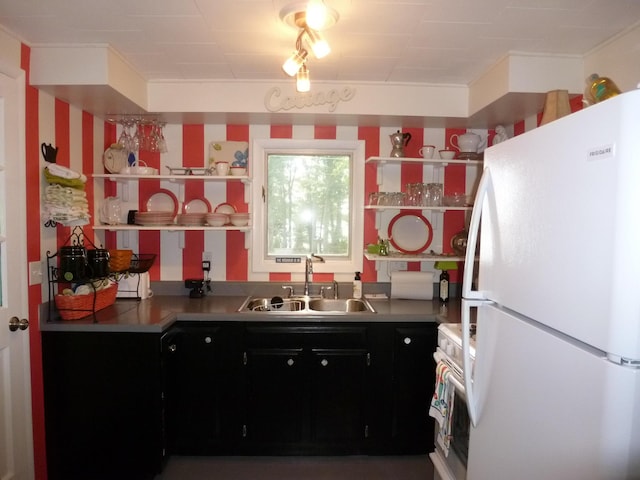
[197,205]
[225,208]
[162,201]
[410,232]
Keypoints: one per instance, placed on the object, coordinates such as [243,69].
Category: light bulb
[316,14]
[294,62]
[319,45]
[303,84]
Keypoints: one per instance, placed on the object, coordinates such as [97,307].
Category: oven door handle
[453,379]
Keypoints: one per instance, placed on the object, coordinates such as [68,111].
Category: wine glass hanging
[140,133]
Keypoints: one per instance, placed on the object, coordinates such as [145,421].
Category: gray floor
[413,467]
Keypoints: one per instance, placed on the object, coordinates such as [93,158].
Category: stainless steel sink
[347,305]
[273,304]
[305,305]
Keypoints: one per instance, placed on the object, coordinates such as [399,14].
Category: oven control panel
[450,342]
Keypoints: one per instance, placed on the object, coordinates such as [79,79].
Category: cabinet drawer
[311,336]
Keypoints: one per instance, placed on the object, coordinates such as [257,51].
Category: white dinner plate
[410,232]
[197,205]
[162,201]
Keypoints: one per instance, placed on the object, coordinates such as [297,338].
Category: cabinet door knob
[324,362]
[290,362]
[173,347]
[407,340]
[208,339]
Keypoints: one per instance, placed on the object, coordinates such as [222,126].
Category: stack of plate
[154,218]
[194,219]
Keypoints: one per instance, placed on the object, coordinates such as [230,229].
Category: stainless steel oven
[451,463]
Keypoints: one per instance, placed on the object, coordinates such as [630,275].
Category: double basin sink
[305,305]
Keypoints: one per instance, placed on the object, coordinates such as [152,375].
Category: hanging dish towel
[442,405]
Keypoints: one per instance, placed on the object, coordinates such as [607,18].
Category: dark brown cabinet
[104,411]
[306,389]
[202,388]
[117,404]
[412,388]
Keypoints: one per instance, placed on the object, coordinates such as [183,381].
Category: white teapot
[467,142]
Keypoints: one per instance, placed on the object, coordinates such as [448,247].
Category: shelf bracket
[125,241]
[378,220]
[124,190]
[379,173]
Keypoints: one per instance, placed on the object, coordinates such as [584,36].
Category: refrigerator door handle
[467,366]
[472,239]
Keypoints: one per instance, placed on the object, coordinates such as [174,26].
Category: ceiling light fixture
[303,15]
[316,14]
[303,83]
[294,62]
[319,46]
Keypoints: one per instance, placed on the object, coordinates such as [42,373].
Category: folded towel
[63,172]
[442,405]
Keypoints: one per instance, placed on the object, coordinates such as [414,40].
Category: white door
[16,438]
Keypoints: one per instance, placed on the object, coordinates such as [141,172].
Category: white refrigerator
[555,390]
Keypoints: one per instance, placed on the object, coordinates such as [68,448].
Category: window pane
[308,204]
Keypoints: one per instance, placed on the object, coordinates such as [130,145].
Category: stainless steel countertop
[156,314]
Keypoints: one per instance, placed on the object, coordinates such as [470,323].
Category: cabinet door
[276,399]
[413,384]
[338,397]
[202,396]
[103,405]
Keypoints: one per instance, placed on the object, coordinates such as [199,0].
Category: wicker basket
[119,260]
[141,262]
[75,307]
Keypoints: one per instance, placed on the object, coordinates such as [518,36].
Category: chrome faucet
[308,270]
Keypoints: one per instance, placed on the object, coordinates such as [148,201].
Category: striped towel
[442,406]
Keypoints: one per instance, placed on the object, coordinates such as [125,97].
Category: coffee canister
[98,260]
[73,263]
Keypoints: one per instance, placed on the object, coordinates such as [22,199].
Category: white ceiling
[424,41]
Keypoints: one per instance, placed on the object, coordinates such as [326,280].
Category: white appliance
[135,285]
[555,389]
[450,463]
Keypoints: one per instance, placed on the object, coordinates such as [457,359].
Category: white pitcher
[110,211]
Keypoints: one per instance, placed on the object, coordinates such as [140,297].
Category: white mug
[427,151]
[222,168]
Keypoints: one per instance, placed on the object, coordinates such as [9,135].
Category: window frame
[261,148]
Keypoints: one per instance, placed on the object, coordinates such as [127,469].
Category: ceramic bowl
[238,171]
[217,219]
[447,154]
[239,219]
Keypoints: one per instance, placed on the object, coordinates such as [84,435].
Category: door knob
[15,323]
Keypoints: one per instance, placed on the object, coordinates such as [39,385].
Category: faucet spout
[308,270]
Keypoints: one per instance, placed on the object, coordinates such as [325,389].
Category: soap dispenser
[357,286]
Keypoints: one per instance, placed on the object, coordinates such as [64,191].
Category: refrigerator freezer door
[560,228]
[549,408]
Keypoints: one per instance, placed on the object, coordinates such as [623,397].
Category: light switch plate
[35,273]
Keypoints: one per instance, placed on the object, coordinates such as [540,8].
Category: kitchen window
[307,197]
